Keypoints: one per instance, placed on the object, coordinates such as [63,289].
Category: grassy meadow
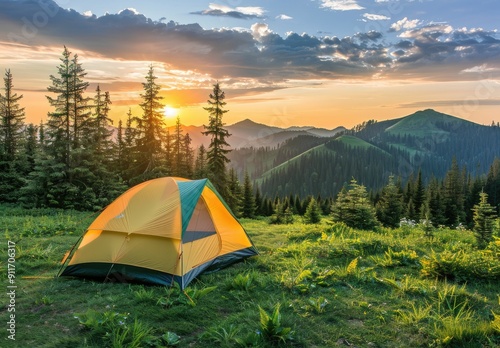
[323,285]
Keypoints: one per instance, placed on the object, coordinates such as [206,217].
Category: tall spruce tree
[101,162]
[64,156]
[234,193]
[150,157]
[248,207]
[217,150]
[187,168]
[178,157]
[436,203]
[419,195]
[200,164]
[129,153]
[11,137]
[484,221]
[492,186]
[81,108]
[453,194]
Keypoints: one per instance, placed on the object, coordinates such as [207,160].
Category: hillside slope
[426,140]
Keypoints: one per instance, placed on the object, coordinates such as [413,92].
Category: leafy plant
[193,294]
[171,339]
[271,329]
[407,285]
[297,274]
[243,281]
[316,304]
[144,295]
[224,337]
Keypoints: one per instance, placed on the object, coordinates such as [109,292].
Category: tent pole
[70,255]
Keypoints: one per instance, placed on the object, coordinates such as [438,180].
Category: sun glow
[170,112]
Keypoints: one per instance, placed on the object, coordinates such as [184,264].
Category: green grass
[323,285]
[355,142]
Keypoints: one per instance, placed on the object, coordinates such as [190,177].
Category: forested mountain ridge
[426,140]
[248,133]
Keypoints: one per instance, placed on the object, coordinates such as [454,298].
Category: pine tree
[390,206]
[248,208]
[419,195]
[492,186]
[354,208]
[30,149]
[100,174]
[177,149]
[282,214]
[200,166]
[217,151]
[453,195]
[129,152]
[64,158]
[150,156]
[120,149]
[11,137]
[234,193]
[436,203]
[313,214]
[187,169]
[484,221]
[80,105]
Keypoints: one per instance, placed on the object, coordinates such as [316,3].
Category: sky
[323,63]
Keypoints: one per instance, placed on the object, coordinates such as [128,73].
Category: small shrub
[271,329]
[243,281]
[462,266]
[397,258]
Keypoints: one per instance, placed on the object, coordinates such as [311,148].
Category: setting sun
[170,111]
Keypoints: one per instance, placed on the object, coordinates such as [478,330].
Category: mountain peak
[248,123]
[425,122]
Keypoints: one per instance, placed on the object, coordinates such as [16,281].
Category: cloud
[259,56]
[341,5]
[226,11]
[284,17]
[260,30]
[481,70]
[375,17]
[439,103]
[405,23]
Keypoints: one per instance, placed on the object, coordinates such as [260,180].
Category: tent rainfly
[160,231]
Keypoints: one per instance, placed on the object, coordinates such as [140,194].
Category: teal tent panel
[190,192]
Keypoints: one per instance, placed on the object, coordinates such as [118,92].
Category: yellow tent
[160,231]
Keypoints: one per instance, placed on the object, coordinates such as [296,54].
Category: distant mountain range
[426,140]
[248,133]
